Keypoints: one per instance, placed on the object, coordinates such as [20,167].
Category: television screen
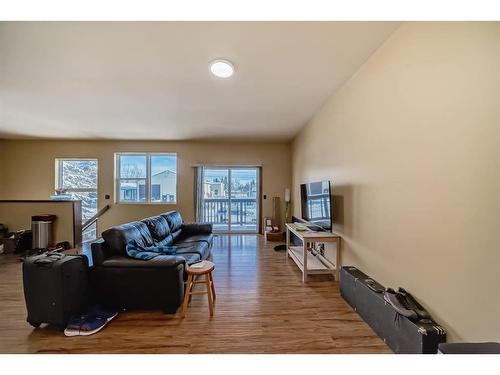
[316,203]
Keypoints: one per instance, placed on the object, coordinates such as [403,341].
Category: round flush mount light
[222,68]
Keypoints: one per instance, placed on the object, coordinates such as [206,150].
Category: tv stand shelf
[308,260]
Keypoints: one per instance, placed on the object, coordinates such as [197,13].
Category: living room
[262,187]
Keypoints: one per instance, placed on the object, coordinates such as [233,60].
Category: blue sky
[159,163]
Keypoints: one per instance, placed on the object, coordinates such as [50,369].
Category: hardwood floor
[261,307]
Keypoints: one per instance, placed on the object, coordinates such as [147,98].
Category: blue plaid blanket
[145,253]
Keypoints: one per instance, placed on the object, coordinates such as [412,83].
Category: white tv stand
[308,260]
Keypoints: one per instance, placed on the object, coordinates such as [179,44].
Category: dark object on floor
[90,321]
[24,241]
[470,348]
[9,244]
[17,242]
[280,248]
[119,281]
[3,231]
[275,236]
[55,287]
[401,334]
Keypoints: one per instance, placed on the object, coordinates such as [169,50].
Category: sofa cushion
[117,237]
[174,220]
[200,248]
[161,261]
[176,235]
[186,238]
[190,257]
[167,241]
[158,227]
[197,228]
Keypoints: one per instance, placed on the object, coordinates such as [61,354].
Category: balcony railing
[243,211]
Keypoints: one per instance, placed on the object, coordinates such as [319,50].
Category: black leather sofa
[122,282]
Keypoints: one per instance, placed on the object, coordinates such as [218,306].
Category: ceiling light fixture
[222,68]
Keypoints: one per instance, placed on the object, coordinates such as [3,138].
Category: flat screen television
[316,199]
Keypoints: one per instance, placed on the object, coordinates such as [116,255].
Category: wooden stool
[193,275]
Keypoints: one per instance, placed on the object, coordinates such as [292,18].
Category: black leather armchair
[158,283]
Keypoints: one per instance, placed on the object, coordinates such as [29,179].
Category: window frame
[59,177]
[59,182]
[147,179]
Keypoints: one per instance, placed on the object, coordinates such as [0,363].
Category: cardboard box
[9,245]
[275,236]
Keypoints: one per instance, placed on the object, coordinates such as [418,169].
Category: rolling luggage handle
[50,258]
[370,283]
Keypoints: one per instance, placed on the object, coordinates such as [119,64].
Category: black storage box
[398,332]
[55,287]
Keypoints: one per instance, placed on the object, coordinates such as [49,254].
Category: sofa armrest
[98,248]
[197,228]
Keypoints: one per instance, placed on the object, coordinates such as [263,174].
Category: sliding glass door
[229,198]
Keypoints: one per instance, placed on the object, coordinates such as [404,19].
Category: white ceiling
[150,80]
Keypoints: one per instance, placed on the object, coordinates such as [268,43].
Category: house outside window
[146,178]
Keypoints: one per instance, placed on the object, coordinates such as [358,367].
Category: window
[146,178]
[79,178]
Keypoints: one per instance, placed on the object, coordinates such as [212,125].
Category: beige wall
[28,168]
[412,145]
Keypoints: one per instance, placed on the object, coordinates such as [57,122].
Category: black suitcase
[400,333]
[55,287]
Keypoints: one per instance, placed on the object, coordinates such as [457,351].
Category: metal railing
[94,218]
[89,230]
[243,210]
